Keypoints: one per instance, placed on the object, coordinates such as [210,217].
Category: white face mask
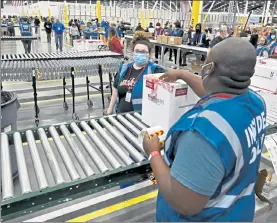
[273,37]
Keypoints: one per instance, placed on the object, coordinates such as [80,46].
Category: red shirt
[115,46]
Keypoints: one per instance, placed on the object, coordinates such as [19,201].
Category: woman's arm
[112,102]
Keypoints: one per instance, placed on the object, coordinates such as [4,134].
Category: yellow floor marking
[116,207]
[61,99]
[267,154]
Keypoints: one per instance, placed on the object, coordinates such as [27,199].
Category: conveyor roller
[74,144]
[59,56]
[57,69]
[13,38]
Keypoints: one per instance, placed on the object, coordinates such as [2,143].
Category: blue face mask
[140,59]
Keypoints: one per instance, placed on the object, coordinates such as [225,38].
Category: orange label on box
[181,92]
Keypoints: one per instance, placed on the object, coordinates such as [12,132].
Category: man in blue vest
[58,29]
[26,30]
[213,152]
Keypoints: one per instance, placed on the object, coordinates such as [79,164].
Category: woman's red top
[116,46]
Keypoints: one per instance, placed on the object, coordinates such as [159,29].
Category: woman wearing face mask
[128,84]
[262,49]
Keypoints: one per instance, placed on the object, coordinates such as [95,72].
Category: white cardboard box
[164,103]
[265,77]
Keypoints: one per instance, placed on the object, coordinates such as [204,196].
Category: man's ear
[211,68]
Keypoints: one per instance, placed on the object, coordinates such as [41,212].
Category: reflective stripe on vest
[224,127]
[228,200]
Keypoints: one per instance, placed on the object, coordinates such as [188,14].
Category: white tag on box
[164,103]
[265,77]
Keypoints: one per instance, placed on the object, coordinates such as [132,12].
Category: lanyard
[131,86]
[208,97]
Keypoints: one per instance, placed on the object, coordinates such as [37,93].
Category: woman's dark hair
[142,40]
[177,24]
[112,34]
[158,24]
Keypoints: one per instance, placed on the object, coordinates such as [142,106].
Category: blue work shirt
[118,32]
[107,30]
[58,28]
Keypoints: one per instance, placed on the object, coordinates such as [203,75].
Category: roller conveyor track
[14,70]
[50,157]
[60,55]
[13,38]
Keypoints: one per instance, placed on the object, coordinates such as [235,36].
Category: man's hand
[151,144]
[171,75]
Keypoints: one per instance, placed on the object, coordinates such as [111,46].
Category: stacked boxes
[172,40]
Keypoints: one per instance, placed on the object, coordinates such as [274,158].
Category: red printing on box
[150,84]
[181,92]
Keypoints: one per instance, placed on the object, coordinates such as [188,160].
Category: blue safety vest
[137,90]
[272,48]
[25,29]
[262,51]
[236,128]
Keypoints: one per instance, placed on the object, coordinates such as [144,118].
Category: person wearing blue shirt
[106,32]
[58,29]
[86,31]
[26,30]
[212,153]
[103,23]
[94,30]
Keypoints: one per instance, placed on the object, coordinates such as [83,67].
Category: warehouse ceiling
[218,6]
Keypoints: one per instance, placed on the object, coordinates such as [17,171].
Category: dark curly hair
[139,38]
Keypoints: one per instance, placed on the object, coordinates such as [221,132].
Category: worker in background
[48,29]
[36,23]
[211,161]
[118,30]
[139,28]
[106,32]
[271,37]
[86,31]
[128,84]
[97,22]
[158,31]
[178,32]
[273,47]
[150,28]
[26,30]
[254,38]
[248,31]
[262,49]
[114,42]
[10,26]
[168,32]
[70,22]
[58,29]
[94,30]
[190,33]
[77,24]
[103,23]
[220,37]
[74,33]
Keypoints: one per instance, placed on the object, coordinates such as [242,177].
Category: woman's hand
[109,111]
[171,75]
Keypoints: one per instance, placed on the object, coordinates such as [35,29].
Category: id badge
[128,97]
